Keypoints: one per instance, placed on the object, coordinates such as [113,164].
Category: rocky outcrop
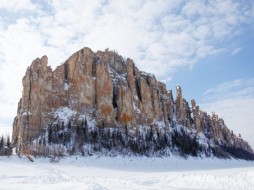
[182,109]
[101,84]
[111,92]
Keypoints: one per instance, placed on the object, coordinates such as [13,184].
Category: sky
[205,46]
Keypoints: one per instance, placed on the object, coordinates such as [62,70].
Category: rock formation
[112,93]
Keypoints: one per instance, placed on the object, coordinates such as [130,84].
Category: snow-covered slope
[99,173]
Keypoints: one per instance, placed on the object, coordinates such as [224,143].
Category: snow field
[99,173]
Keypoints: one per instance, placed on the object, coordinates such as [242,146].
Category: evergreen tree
[1,142]
[8,141]
[50,134]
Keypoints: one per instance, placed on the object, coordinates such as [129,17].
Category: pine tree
[86,125]
[50,134]
[8,141]
[1,142]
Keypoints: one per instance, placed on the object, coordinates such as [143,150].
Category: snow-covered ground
[99,173]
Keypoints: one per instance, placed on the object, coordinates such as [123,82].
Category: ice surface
[126,173]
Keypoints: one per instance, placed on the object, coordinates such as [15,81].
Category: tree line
[5,144]
[61,140]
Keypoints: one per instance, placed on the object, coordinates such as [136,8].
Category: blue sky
[204,46]
[214,70]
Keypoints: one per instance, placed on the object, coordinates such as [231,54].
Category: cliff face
[102,85]
[109,91]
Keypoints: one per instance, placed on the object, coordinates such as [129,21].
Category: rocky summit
[104,101]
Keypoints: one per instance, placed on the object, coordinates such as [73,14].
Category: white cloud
[17,5]
[231,89]
[224,87]
[234,102]
[160,36]
[236,51]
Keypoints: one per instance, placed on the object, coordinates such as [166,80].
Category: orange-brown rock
[104,85]
[196,116]
[104,93]
[182,109]
[125,109]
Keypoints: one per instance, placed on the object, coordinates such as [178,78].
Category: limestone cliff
[110,92]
